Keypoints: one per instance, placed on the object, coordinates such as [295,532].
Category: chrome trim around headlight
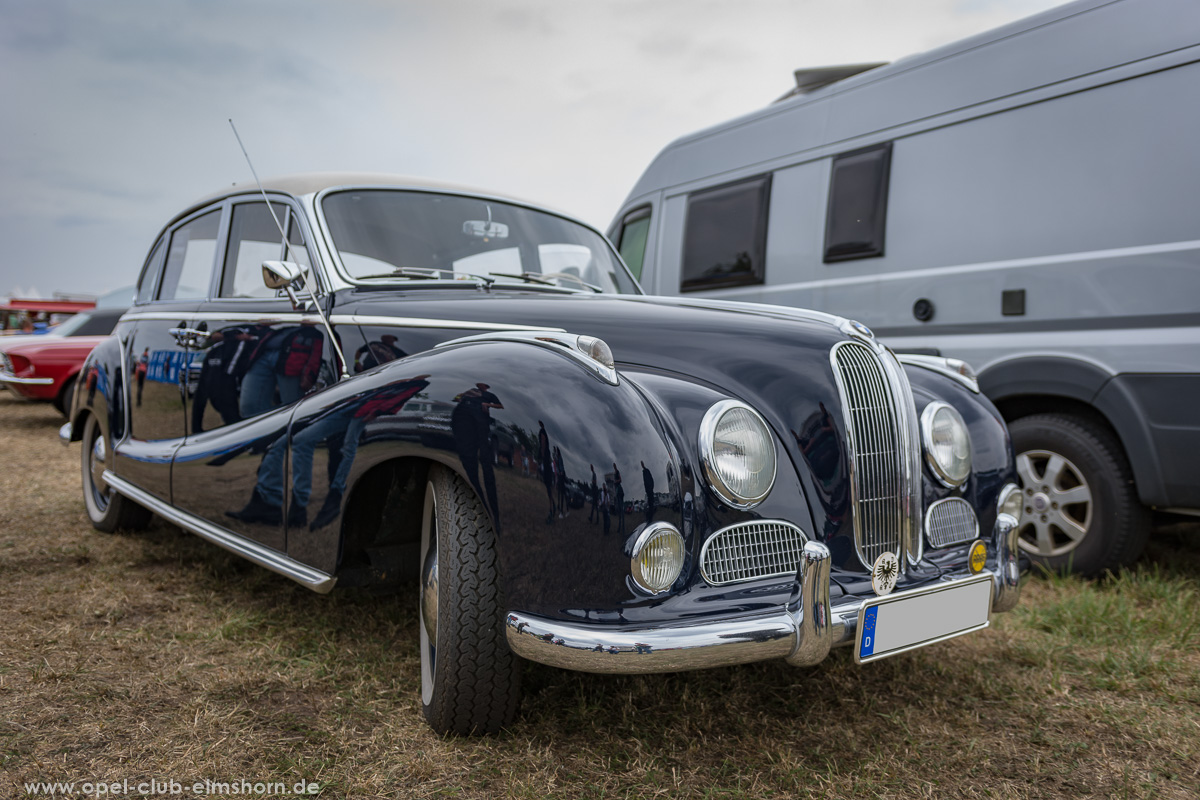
[938,470]
[651,532]
[708,432]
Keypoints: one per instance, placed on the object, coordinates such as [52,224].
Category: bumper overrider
[802,632]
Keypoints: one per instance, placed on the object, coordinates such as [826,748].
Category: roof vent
[809,80]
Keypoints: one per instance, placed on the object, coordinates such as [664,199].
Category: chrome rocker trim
[802,632]
[265,557]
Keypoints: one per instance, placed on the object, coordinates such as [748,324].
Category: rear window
[725,236]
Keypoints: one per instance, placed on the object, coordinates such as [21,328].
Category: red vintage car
[46,367]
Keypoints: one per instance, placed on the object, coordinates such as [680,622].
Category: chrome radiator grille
[751,550]
[878,448]
[950,521]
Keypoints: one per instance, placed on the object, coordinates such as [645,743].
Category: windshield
[388,234]
[73,324]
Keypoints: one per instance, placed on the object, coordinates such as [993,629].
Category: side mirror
[283,274]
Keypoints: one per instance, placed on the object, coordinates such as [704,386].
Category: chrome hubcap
[99,457]
[1057,503]
[429,593]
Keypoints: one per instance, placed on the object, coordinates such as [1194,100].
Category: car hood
[776,359]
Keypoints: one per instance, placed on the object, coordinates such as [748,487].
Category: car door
[258,358]
[157,351]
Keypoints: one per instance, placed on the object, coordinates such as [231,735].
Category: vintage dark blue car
[362,379]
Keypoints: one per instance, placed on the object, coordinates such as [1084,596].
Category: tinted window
[190,259]
[150,272]
[858,188]
[632,245]
[725,237]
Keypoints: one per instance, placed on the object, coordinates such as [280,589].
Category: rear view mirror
[485,229]
[283,274]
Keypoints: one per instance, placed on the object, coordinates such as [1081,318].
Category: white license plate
[908,620]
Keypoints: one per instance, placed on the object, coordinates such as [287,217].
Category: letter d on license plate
[908,620]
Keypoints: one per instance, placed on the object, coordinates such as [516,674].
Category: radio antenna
[287,250]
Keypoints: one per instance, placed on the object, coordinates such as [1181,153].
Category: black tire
[470,679]
[63,401]
[1063,457]
[107,510]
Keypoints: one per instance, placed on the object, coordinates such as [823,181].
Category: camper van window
[632,239]
[858,190]
[725,235]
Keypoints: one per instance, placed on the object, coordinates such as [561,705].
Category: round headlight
[657,557]
[738,453]
[947,444]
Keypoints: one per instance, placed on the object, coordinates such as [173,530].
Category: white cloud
[116,112]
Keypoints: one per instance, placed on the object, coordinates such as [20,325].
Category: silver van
[1026,200]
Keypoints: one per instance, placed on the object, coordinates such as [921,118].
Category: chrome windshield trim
[943,366]
[556,340]
[317,209]
[276,562]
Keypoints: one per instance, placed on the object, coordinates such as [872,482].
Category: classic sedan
[46,367]
[317,373]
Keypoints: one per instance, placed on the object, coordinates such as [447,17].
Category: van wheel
[470,679]
[107,510]
[1081,511]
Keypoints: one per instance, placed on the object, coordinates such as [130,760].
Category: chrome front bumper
[802,632]
[8,377]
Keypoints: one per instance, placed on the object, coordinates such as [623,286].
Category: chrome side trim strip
[276,562]
[337,319]
[417,322]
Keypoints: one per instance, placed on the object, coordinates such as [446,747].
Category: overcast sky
[114,111]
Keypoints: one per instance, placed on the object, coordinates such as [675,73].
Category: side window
[725,235]
[253,239]
[632,242]
[145,291]
[858,188]
[190,259]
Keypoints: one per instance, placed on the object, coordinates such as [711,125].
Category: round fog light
[657,557]
[978,558]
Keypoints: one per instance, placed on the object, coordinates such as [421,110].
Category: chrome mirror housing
[283,274]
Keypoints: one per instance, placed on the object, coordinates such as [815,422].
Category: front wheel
[470,679]
[107,510]
[1081,510]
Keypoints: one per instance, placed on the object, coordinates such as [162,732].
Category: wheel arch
[1021,387]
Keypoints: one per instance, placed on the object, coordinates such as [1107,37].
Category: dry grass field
[157,655]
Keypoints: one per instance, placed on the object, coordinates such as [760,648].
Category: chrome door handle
[190,337]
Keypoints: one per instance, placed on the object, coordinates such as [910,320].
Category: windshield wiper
[421,273]
[532,277]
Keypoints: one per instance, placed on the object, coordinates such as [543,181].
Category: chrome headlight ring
[938,421]
[732,431]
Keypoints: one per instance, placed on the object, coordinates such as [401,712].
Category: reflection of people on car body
[286,360]
[372,354]
[471,422]
[619,499]
[648,482]
[546,463]
[347,418]
[560,478]
[143,365]
[595,495]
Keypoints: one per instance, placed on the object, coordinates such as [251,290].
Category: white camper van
[1027,200]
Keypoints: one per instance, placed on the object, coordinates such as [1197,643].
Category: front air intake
[880,425]
[752,550]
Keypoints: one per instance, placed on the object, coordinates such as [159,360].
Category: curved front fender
[526,427]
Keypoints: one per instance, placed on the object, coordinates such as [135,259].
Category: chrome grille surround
[950,521]
[749,551]
[884,448]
